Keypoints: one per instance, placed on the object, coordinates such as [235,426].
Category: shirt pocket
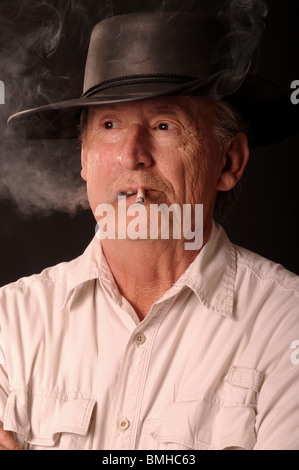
[40,420]
[208,422]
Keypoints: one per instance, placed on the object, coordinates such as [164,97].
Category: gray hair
[229,122]
[82,126]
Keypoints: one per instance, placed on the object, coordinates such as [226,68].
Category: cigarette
[140,196]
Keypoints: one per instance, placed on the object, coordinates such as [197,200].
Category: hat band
[138,80]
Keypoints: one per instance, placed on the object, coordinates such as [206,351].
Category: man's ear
[84,161]
[235,161]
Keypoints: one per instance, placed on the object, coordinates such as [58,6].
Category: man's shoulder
[50,276]
[266,273]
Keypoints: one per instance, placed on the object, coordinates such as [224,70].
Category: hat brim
[267,108]
[60,120]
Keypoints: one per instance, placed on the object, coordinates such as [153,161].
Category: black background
[265,219]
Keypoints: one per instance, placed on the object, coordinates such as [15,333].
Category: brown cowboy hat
[145,55]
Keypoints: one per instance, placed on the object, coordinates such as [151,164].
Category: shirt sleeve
[277,422]
[4,387]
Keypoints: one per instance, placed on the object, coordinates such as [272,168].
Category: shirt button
[123,424]
[140,339]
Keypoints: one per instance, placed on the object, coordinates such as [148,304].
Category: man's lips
[127,192]
[132,191]
[152,196]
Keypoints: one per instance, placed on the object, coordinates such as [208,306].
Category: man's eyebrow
[172,110]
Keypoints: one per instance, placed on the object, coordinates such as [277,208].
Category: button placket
[131,384]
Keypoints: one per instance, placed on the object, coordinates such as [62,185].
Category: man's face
[166,145]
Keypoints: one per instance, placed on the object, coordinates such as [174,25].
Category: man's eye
[110,125]
[163,126]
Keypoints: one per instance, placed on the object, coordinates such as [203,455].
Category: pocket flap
[40,417]
[202,425]
[187,424]
[245,377]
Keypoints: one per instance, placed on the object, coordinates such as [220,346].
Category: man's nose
[136,148]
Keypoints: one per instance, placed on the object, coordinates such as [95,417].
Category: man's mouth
[128,193]
[139,195]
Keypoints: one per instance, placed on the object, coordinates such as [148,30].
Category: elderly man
[140,343]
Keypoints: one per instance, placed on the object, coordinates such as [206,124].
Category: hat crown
[152,43]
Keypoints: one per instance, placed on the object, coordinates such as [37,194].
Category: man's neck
[144,269]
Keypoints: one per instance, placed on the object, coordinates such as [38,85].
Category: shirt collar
[91,265]
[211,276]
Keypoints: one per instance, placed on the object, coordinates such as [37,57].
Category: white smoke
[244,22]
[41,176]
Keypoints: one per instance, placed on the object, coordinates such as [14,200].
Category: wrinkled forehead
[190,108]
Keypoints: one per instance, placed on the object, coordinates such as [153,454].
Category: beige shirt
[212,366]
